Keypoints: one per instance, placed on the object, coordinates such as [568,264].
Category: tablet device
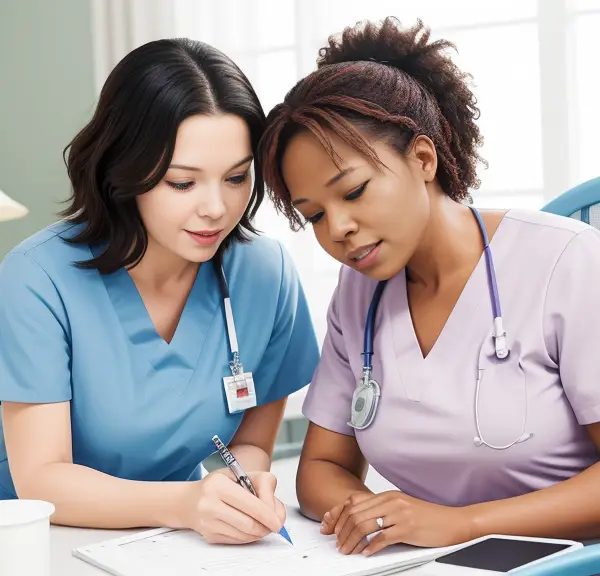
[497,554]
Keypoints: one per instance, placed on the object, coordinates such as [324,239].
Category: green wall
[46,95]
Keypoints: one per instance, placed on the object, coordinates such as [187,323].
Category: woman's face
[368,217]
[205,191]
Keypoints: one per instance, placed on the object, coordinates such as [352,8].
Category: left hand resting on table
[406,520]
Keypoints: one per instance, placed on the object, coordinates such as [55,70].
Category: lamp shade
[10,209]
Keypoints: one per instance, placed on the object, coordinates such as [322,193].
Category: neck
[160,268]
[451,244]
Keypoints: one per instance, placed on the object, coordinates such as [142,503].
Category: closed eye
[314,219]
[239,179]
[356,194]
[181,185]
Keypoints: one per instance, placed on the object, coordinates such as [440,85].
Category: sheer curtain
[119,26]
[534,65]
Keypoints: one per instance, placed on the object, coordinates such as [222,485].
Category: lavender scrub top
[422,438]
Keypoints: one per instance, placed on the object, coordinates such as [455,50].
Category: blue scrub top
[143,409]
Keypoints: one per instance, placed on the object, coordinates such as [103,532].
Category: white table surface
[64,540]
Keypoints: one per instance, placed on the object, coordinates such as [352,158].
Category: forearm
[569,509]
[251,458]
[87,498]
[321,485]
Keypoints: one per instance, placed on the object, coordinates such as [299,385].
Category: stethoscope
[365,400]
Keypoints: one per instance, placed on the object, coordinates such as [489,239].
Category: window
[585,91]
[532,63]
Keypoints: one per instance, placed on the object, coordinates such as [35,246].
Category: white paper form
[185,553]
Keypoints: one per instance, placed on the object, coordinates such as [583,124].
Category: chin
[383,269]
[379,273]
[200,254]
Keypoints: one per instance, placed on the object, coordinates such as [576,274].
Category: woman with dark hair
[473,386]
[153,317]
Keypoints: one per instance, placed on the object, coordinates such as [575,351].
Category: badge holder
[239,387]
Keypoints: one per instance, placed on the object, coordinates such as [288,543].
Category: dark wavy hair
[126,148]
[387,83]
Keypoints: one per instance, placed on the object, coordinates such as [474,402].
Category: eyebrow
[329,182]
[339,176]
[196,169]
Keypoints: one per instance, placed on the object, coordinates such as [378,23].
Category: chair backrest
[581,202]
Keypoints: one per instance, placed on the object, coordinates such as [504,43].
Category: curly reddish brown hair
[381,82]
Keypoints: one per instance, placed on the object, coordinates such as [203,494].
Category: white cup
[25,537]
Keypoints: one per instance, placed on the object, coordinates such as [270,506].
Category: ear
[423,151]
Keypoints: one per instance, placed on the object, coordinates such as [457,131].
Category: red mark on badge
[242,392]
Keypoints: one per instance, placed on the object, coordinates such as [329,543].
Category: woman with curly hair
[461,353]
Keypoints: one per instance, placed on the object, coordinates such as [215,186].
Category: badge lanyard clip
[239,387]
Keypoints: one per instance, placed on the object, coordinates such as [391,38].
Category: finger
[362,499]
[265,488]
[330,518]
[233,534]
[280,511]
[215,538]
[341,520]
[245,502]
[361,545]
[361,504]
[326,524]
[348,541]
[365,518]
[379,542]
[241,522]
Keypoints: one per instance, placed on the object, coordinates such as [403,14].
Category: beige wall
[46,95]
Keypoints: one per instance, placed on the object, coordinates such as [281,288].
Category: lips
[362,252]
[204,232]
[205,237]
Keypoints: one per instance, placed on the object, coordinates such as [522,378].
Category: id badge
[239,391]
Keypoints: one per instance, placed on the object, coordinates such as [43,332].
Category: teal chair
[581,562]
[581,202]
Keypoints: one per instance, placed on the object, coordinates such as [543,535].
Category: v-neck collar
[181,355]
[415,370]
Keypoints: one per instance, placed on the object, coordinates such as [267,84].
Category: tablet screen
[500,554]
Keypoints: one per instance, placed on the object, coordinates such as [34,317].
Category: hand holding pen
[241,477]
[224,512]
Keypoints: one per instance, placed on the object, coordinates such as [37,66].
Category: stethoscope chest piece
[365,400]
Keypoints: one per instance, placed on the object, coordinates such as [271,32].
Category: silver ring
[379,522]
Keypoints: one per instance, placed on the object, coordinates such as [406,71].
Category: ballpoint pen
[241,477]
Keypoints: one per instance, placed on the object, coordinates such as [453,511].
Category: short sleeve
[329,399]
[292,353]
[572,323]
[34,349]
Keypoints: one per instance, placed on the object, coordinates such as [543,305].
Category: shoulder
[540,226]
[353,293]
[49,250]
[262,260]
[541,239]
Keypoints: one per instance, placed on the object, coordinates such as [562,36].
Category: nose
[211,203]
[341,225]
